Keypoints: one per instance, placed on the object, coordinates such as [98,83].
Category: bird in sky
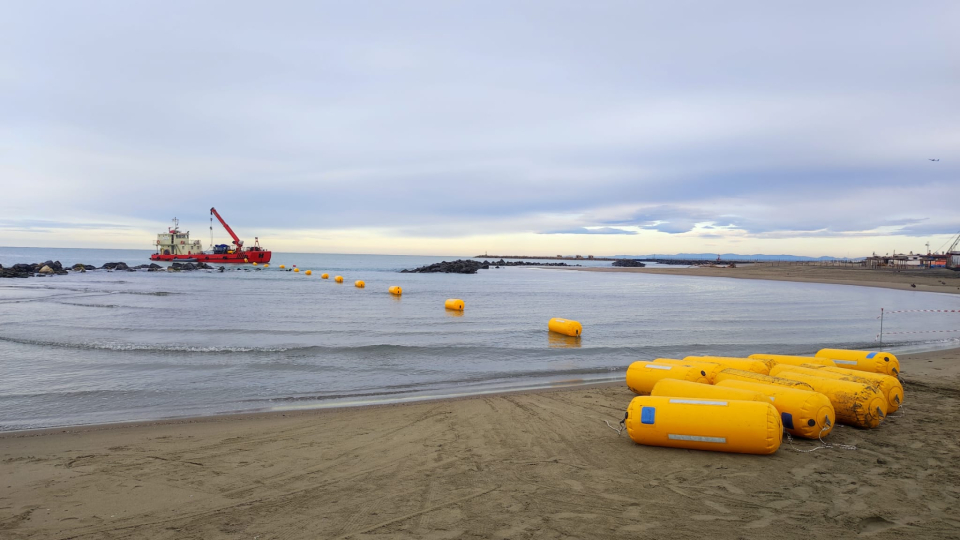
[931,159]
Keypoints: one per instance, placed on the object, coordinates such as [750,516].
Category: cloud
[741,121]
[598,230]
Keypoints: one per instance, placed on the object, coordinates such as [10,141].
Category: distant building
[589,256]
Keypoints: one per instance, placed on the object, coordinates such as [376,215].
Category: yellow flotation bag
[749,376]
[309,272]
[792,360]
[804,413]
[642,376]
[565,327]
[678,388]
[338,279]
[745,427]
[324,276]
[707,369]
[395,290]
[295,270]
[746,364]
[359,284]
[889,386]
[870,361]
[856,404]
[454,303]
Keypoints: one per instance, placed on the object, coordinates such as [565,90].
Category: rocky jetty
[469,266]
[628,263]
[55,268]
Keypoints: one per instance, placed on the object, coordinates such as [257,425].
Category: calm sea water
[116,346]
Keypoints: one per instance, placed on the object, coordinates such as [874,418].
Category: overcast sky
[459,127]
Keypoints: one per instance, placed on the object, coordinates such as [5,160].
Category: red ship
[175,246]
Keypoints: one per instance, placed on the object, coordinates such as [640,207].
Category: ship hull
[246,257]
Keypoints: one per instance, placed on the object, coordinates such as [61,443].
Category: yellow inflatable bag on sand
[890,387]
[870,361]
[707,369]
[856,404]
[793,360]
[642,376]
[746,364]
[804,413]
[749,376]
[678,388]
[565,327]
[745,427]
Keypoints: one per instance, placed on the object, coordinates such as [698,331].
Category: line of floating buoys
[359,284]
[309,272]
[395,290]
[565,327]
[324,276]
[804,413]
[338,279]
[745,427]
[454,304]
[870,361]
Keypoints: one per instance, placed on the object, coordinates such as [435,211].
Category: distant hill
[734,257]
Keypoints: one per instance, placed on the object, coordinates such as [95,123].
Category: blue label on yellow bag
[647,415]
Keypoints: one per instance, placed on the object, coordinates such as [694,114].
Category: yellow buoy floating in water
[266,265]
[565,327]
[804,413]
[642,376]
[396,290]
[454,303]
[359,284]
[870,361]
[296,269]
[324,276]
[283,266]
[309,272]
[856,404]
[745,427]
[254,264]
[792,360]
[338,279]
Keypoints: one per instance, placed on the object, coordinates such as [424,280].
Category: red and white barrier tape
[919,332]
[924,311]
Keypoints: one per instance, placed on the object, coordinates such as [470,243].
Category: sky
[523,127]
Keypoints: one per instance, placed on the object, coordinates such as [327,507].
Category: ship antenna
[211,231]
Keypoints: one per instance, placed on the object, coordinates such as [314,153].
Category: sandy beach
[529,465]
[944,281]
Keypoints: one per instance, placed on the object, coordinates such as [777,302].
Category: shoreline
[515,465]
[940,281]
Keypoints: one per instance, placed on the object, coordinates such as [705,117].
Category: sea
[115,346]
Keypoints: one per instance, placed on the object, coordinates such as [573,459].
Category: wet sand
[528,465]
[939,280]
